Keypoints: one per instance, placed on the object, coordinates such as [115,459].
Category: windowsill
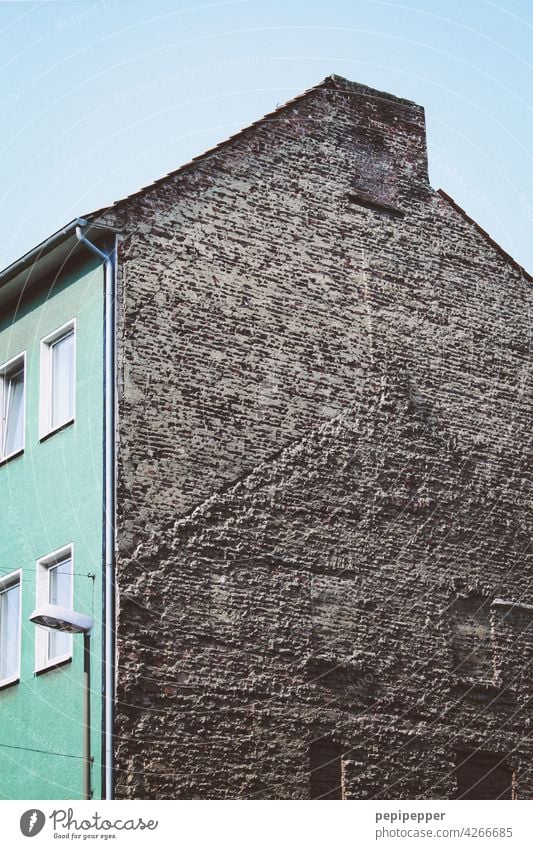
[55,430]
[9,457]
[55,664]
[490,686]
[9,682]
[368,202]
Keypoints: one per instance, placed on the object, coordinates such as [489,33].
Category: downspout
[109,261]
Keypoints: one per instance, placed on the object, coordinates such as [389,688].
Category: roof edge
[333,82]
[49,256]
[44,247]
[32,256]
[498,248]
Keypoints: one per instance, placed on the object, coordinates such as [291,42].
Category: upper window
[12,406]
[10,628]
[58,378]
[54,586]
[472,637]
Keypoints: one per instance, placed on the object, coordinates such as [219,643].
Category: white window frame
[5,582]
[42,595]
[12,367]
[45,405]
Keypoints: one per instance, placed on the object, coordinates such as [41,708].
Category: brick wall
[301,314]
[316,599]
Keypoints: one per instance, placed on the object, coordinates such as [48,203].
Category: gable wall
[257,292]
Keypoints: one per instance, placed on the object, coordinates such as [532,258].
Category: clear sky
[100,97]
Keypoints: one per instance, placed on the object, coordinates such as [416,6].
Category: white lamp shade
[61,619]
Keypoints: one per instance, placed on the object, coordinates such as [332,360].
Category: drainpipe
[109,261]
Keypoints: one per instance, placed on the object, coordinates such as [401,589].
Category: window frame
[6,581]
[42,596]
[9,369]
[46,426]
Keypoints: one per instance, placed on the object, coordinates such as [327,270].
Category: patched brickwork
[323,447]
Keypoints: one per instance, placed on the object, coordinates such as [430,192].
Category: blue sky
[100,97]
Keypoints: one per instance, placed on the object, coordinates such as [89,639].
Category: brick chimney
[383,139]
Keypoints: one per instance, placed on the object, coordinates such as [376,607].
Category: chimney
[387,151]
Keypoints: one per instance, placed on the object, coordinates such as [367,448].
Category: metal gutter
[48,257]
[109,261]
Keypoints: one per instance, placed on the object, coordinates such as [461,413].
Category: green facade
[50,497]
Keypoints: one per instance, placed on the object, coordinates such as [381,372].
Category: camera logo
[32,822]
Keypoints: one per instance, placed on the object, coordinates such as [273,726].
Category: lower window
[54,586]
[12,407]
[326,770]
[483,775]
[10,628]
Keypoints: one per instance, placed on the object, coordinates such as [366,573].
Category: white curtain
[9,631]
[60,592]
[14,413]
[63,380]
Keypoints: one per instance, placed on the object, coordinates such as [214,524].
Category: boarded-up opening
[471,638]
[481,775]
[326,770]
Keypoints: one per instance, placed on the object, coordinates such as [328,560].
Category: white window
[12,407]
[58,378]
[10,622]
[54,586]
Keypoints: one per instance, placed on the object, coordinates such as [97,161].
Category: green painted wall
[51,496]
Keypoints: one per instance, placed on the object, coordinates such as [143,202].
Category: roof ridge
[336,81]
[333,82]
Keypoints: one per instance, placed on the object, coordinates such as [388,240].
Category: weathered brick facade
[324,471]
